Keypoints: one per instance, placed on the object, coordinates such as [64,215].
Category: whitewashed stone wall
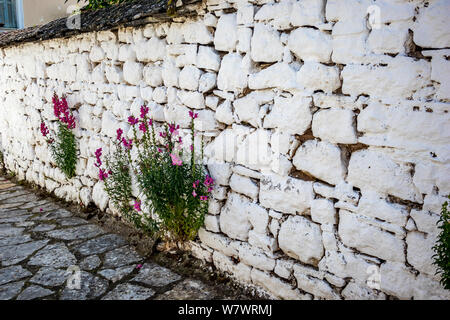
[327,135]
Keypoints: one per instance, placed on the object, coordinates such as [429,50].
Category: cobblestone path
[48,253]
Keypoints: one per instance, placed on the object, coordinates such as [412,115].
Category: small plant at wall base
[175,188]
[63,143]
[98,4]
[442,247]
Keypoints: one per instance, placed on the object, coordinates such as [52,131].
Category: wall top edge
[134,13]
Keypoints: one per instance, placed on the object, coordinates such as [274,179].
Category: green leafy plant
[98,4]
[63,146]
[442,247]
[174,190]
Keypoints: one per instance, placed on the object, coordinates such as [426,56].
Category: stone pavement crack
[47,252]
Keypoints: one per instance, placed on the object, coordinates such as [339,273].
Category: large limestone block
[319,46]
[377,171]
[286,194]
[315,76]
[225,37]
[335,125]
[232,76]
[234,218]
[279,75]
[265,44]
[420,252]
[301,239]
[431,27]
[400,77]
[369,239]
[290,115]
[322,160]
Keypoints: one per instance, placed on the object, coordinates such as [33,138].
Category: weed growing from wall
[63,143]
[442,247]
[174,187]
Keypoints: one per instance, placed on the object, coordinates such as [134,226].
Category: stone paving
[48,253]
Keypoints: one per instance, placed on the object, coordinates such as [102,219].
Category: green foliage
[2,162]
[64,150]
[442,247]
[169,187]
[174,188]
[99,4]
[118,188]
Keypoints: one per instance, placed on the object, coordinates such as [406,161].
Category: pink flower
[194,185]
[102,175]
[40,209]
[162,134]
[208,181]
[137,205]
[143,127]
[132,120]
[128,144]
[203,198]
[175,160]
[119,134]
[139,266]
[150,122]
[193,115]
[180,140]
[192,147]
[173,129]
[194,193]
[144,111]
[98,154]
[44,129]
[159,150]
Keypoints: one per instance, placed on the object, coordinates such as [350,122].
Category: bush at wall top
[442,247]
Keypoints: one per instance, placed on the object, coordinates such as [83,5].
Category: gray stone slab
[188,289]
[54,255]
[156,275]
[13,273]
[25,224]
[10,290]
[14,254]
[13,213]
[34,292]
[50,277]
[48,216]
[121,257]
[25,198]
[71,221]
[45,205]
[15,240]
[117,274]
[101,244]
[76,233]
[43,227]
[16,219]
[127,291]
[10,205]
[90,263]
[91,287]
[8,230]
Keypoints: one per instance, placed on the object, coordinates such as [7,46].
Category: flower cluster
[44,129]
[209,183]
[62,111]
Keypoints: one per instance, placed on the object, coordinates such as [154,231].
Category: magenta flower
[98,154]
[102,175]
[139,266]
[159,150]
[203,198]
[208,181]
[162,134]
[137,205]
[175,160]
[194,194]
[132,120]
[180,140]
[143,127]
[44,129]
[194,185]
[193,115]
[144,111]
[119,134]
[191,147]
[150,122]
[128,144]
